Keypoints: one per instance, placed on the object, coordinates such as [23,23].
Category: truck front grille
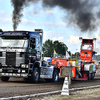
[11,58]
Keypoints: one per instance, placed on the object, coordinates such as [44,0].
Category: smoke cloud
[78,11]
[17,12]
[18,8]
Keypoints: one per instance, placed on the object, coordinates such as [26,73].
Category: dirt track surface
[18,86]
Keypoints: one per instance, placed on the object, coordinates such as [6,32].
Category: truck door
[35,47]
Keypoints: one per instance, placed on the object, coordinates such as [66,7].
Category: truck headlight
[27,66]
[23,66]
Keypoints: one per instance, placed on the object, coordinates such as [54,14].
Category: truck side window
[32,43]
[93,55]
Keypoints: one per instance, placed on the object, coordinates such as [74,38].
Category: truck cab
[21,56]
[86,51]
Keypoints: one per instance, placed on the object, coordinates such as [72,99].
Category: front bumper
[14,75]
[14,71]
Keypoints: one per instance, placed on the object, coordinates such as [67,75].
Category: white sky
[52,21]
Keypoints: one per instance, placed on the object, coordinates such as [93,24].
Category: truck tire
[93,75]
[4,78]
[35,75]
[89,76]
[55,77]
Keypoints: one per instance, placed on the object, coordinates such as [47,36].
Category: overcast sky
[51,20]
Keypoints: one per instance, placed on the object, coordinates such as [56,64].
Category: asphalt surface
[18,86]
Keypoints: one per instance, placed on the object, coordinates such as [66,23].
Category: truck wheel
[89,76]
[93,75]
[55,76]
[36,75]
[4,78]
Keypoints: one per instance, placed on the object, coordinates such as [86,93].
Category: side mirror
[94,52]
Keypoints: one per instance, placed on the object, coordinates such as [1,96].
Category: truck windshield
[13,41]
[86,47]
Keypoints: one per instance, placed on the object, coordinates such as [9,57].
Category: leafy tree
[49,46]
[1,30]
[69,53]
[77,54]
[60,47]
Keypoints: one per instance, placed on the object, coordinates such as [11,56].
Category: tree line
[49,46]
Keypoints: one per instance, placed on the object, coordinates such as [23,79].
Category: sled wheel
[93,75]
[89,76]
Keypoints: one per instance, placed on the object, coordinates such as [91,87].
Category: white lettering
[13,33]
